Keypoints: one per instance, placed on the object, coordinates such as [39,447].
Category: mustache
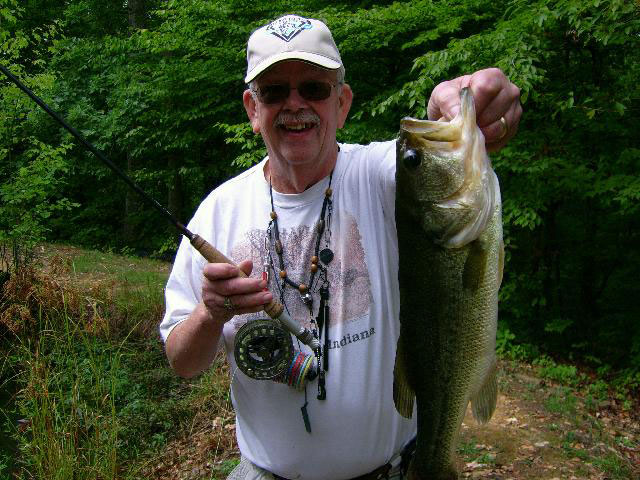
[304,116]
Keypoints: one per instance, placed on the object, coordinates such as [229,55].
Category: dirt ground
[545,431]
[539,431]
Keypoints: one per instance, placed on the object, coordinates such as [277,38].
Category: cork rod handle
[213,255]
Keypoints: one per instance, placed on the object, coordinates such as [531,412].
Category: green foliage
[562,401]
[250,144]
[32,171]
[472,452]
[32,195]
[565,374]
[227,466]
[161,96]
[598,390]
[504,337]
[614,466]
[506,347]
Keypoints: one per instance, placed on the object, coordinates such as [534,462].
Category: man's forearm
[192,344]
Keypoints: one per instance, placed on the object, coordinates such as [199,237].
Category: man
[319,218]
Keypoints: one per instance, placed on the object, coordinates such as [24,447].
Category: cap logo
[288,27]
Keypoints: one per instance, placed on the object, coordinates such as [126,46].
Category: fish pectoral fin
[500,261]
[403,394]
[483,403]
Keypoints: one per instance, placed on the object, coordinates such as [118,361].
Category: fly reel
[263,349]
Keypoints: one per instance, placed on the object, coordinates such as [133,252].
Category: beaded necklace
[318,276]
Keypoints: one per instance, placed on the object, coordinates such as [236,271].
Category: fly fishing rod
[274,309]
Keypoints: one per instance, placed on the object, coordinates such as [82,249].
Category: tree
[166,100]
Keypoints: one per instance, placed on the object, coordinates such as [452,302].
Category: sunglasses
[312,91]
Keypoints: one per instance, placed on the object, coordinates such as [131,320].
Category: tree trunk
[175,199]
[136,11]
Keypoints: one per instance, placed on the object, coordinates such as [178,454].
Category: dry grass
[116,299]
[105,303]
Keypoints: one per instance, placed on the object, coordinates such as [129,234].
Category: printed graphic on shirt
[348,338]
[350,285]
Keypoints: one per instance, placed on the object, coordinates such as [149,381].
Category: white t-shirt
[356,429]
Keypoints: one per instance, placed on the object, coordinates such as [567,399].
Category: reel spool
[264,351]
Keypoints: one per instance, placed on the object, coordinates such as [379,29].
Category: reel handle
[274,309]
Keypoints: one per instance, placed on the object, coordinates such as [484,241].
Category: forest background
[156,85]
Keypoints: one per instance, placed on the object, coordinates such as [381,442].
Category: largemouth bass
[449,224]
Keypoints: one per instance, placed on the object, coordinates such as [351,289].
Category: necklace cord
[320,226]
[321,353]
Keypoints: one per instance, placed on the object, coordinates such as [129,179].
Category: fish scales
[448,220]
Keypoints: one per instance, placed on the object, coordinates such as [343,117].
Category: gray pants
[246,470]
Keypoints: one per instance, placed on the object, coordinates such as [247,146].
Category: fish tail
[483,403]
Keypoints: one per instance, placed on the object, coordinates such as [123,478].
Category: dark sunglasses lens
[312,91]
[273,93]
[315,90]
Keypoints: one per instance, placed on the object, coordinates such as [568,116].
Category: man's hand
[192,344]
[225,294]
[495,98]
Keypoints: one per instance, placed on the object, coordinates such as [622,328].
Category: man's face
[297,131]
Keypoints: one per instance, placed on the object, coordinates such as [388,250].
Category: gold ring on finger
[505,128]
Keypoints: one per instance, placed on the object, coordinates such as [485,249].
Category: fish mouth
[415,125]
[440,131]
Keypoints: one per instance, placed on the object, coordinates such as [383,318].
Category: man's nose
[294,101]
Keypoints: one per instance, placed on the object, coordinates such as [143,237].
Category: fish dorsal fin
[403,394]
[483,402]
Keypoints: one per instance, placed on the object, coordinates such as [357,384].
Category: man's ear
[344,104]
[251,108]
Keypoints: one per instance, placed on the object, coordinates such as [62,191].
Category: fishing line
[150,200]
[274,309]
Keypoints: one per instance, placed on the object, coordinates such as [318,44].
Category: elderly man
[318,219]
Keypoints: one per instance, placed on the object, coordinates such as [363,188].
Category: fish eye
[411,159]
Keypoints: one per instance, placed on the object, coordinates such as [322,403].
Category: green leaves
[569,178]
[164,102]
[251,145]
[31,195]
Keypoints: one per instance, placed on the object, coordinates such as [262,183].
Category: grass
[589,442]
[613,466]
[66,396]
[471,451]
[562,401]
[87,370]
[609,462]
[224,469]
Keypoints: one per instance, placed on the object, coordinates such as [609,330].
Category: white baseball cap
[291,38]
